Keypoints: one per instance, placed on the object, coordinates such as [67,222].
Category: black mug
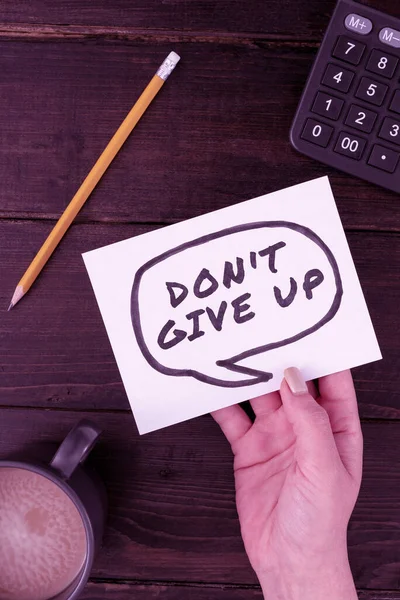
[83,490]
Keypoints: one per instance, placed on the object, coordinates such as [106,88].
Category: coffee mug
[51,522]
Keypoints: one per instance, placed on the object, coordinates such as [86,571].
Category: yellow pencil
[94,177]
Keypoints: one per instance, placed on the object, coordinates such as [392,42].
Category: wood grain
[376,595]
[98,591]
[172,513]
[214,136]
[217,135]
[54,350]
[301,20]
[115,591]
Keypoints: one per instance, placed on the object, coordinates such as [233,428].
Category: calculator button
[390,130]
[383,158]
[382,64]
[390,36]
[395,104]
[371,91]
[350,145]
[349,50]
[327,106]
[337,78]
[317,133]
[358,24]
[361,118]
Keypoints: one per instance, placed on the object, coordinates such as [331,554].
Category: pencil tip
[18,294]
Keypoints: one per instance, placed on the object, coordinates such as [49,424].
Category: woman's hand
[298,473]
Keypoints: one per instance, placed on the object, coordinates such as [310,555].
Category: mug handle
[75,448]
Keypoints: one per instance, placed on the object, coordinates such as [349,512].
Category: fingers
[267,404]
[338,398]
[315,445]
[233,421]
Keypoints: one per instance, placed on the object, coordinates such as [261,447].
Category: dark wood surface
[216,135]
[172,507]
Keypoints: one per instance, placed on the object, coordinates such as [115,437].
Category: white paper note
[209,312]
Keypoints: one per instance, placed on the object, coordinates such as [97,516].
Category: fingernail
[295,381]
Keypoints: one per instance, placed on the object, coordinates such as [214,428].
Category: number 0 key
[317,133]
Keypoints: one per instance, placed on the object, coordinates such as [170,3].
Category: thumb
[315,444]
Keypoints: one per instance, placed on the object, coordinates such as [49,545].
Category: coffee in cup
[51,521]
[42,537]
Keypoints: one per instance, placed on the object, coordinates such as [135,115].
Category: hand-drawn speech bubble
[201,308]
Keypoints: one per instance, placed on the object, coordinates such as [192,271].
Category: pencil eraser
[168,65]
[174,57]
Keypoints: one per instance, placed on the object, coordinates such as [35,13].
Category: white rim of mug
[82,578]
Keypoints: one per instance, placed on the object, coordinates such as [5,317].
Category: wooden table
[217,135]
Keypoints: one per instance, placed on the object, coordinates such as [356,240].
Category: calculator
[349,113]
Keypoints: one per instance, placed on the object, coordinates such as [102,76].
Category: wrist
[330,579]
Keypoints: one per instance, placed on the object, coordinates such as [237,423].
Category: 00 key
[350,145]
